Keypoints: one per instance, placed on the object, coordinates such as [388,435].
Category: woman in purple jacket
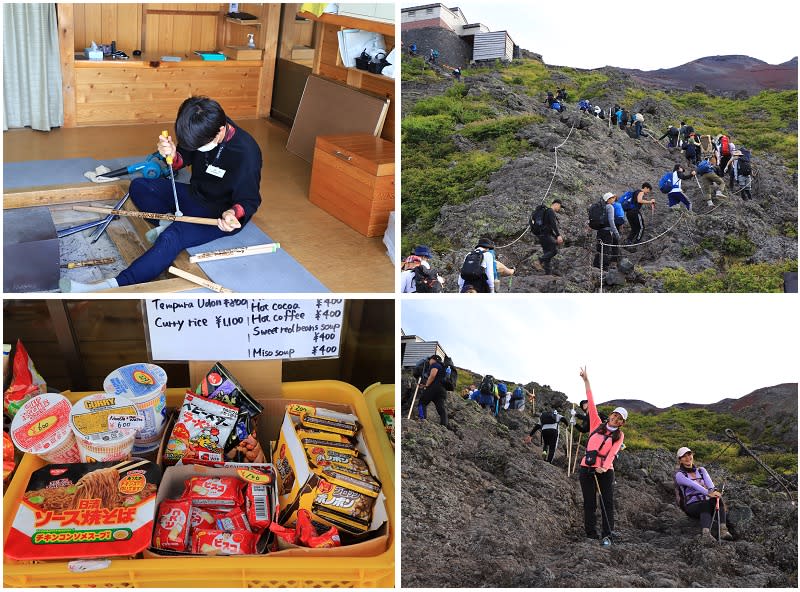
[699,494]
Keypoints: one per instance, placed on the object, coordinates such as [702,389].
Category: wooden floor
[340,257]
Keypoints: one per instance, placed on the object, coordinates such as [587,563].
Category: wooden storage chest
[352,178]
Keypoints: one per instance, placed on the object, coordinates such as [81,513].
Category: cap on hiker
[423,251]
[608,196]
[683,450]
[622,411]
[486,243]
[412,259]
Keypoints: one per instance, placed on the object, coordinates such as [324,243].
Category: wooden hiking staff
[235,252]
[88,263]
[148,215]
[197,280]
[414,398]
[577,446]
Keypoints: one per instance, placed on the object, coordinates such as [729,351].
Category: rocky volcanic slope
[591,160]
[482,509]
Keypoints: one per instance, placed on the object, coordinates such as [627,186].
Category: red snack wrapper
[220,542]
[327,540]
[257,504]
[305,530]
[289,535]
[217,492]
[26,382]
[204,517]
[201,431]
[233,520]
[8,456]
[172,527]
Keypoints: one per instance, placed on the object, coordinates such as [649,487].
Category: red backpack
[724,146]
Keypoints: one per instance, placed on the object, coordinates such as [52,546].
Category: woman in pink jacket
[596,474]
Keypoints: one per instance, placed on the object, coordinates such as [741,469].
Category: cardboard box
[172,485]
[299,485]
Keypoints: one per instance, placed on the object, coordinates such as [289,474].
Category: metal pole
[577,448]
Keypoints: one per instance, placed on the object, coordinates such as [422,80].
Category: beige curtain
[32,95]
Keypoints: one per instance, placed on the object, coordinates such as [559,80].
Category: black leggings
[705,511]
[437,394]
[549,443]
[589,489]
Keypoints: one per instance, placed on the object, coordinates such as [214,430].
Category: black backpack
[597,215]
[426,280]
[487,385]
[421,370]
[548,417]
[536,220]
[450,374]
[471,270]
[745,168]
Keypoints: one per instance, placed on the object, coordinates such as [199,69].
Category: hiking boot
[606,542]
[720,194]
[724,534]
[537,266]
[710,203]
[707,537]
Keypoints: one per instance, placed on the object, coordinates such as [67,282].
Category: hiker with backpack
[487,390]
[518,396]
[696,495]
[434,390]
[503,396]
[412,50]
[622,117]
[549,421]
[632,202]
[638,121]
[550,99]
[561,95]
[596,475]
[544,226]
[417,275]
[723,148]
[481,268]
[741,172]
[670,184]
[693,149]
[601,219]
[685,130]
[673,133]
[710,179]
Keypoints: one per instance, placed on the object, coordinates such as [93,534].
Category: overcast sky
[663,349]
[576,33]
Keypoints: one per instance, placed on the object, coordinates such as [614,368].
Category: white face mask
[208,147]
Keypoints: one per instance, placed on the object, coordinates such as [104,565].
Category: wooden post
[66,48]
[268,38]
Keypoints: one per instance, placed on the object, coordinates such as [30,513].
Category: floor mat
[68,171]
[270,272]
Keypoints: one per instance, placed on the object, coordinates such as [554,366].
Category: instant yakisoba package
[82,510]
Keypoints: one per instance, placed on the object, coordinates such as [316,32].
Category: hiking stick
[603,507]
[148,215]
[569,440]
[577,447]
[414,398]
[197,280]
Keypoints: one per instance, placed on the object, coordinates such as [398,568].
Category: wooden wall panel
[104,23]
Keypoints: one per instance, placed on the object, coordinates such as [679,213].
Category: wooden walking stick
[88,263]
[148,215]
[575,460]
[197,280]
[414,398]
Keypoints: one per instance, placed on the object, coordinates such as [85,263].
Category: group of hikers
[695,492]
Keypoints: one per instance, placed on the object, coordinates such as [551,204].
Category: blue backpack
[665,182]
[518,394]
[556,105]
[502,388]
[704,167]
[619,213]
[626,200]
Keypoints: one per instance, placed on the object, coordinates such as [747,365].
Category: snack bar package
[221,542]
[172,526]
[220,385]
[201,430]
[215,492]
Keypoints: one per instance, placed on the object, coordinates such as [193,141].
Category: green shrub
[739,277]
[495,128]
[680,280]
[414,70]
[738,246]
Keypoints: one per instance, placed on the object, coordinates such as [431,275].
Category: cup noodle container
[89,419]
[145,385]
[42,427]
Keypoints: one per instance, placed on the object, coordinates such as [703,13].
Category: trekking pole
[602,259]
[603,508]
[577,447]
[414,398]
[569,440]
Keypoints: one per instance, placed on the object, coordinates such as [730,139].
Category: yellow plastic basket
[227,572]
[382,395]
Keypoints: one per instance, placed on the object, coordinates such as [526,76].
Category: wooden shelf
[252,23]
[352,22]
